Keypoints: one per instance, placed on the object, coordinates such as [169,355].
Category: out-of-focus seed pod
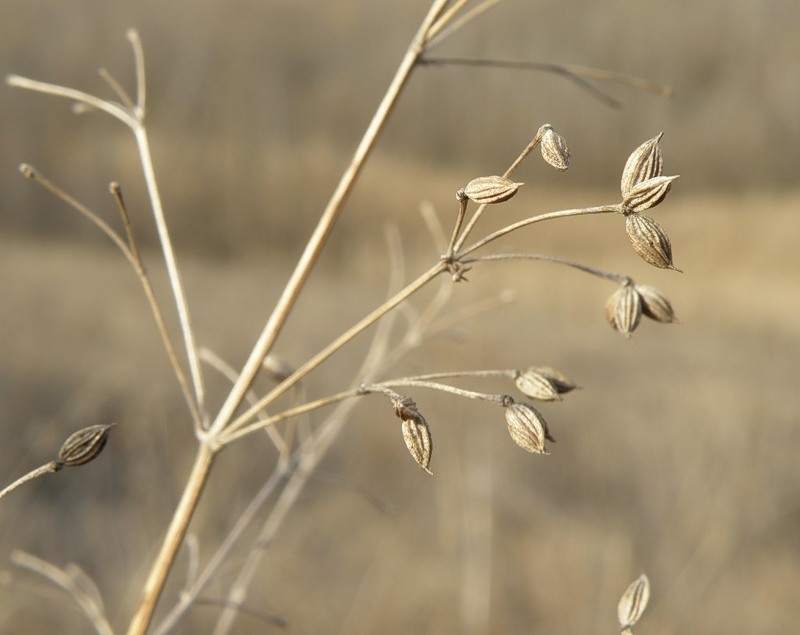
[633,602]
[554,148]
[624,309]
[644,163]
[655,305]
[527,427]
[649,241]
[417,435]
[84,445]
[559,380]
[487,190]
[648,193]
[543,383]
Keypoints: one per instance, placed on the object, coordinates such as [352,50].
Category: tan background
[677,457]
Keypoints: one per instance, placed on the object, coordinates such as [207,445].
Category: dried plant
[246,411]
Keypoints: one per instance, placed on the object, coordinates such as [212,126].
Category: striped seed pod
[488,190]
[84,445]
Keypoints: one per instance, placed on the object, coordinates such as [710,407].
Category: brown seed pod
[649,241]
[655,305]
[644,163]
[624,309]
[84,445]
[554,149]
[487,190]
[527,427]
[633,602]
[559,380]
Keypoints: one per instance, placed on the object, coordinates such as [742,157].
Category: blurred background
[678,455]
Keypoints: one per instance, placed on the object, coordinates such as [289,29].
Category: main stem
[325,225]
[173,540]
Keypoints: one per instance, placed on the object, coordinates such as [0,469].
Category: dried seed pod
[487,190]
[655,305]
[536,386]
[527,427]
[644,163]
[633,602]
[648,193]
[84,445]
[649,241]
[554,148]
[417,435]
[624,309]
[543,383]
[559,380]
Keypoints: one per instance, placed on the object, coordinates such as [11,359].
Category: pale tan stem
[172,266]
[48,468]
[325,225]
[172,541]
[603,209]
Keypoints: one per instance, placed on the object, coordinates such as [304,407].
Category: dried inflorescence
[625,307]
[643,187]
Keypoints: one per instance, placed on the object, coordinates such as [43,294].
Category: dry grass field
[677,456]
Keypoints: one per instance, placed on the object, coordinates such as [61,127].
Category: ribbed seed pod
[536,386]
[649,241]
[84,445]
[417,435]
[554,148]
[633,602]
[655,305]
[416,432]
[624,309]
[647,194]
[559,380]
[527,427]
[644,163]
[487,190]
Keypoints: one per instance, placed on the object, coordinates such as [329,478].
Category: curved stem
[603,209]
[48,468]
[614,277]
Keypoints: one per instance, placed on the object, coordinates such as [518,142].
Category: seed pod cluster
[626,306]
[643,187]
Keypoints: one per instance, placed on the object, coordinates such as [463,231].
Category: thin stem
[138,60]
[445,28]
[172,266]
[325,225]
[382,387]
[462,211]
[603,209]
[74,582]
[138,266]
[607,275]
[48,468]
[115,110]
[172,541]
